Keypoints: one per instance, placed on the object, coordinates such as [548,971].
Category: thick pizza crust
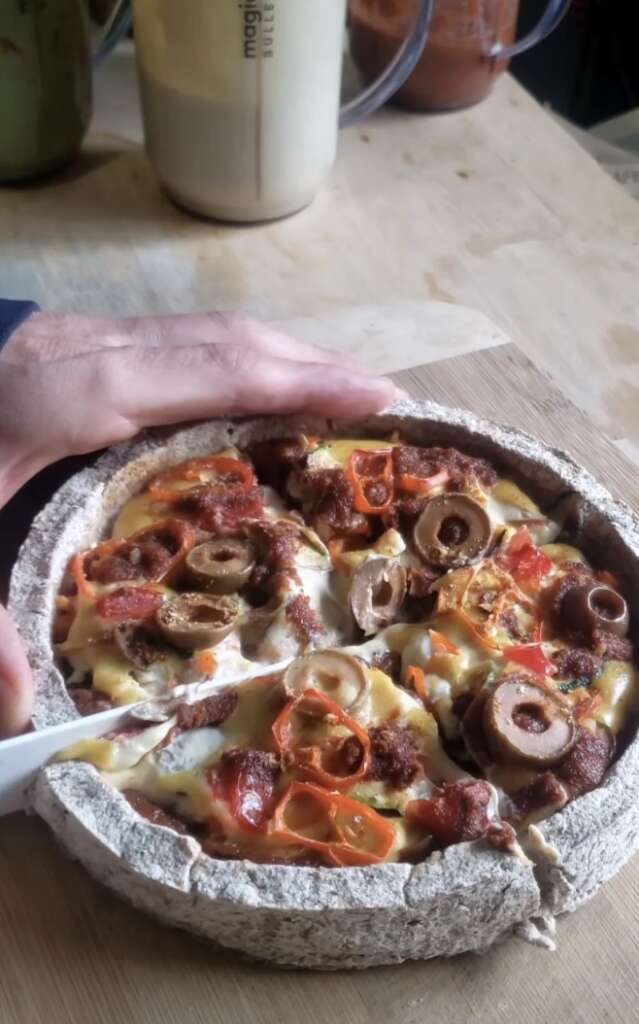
[464,899]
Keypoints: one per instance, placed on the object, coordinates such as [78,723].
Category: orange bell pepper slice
[321,762]
[365,470]
[423,484]
[343,831]
[229,472]
[442,644]
[182,533]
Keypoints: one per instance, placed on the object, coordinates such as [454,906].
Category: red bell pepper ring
[229,472]
[129,604]
[322,763]
[341,830]
[524,561]
[180,534]
[532,657]
[367,472]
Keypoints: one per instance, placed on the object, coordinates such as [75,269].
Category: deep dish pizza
[455,668]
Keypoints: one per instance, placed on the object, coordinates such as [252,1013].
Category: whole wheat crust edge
[467,897]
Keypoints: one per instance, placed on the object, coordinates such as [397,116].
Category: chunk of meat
[276,543]
[459,814]
[502,836]
[584,767]
[89,702]
[424,462]
[308,626]
[331,496]
[394,755]
[545,794]
[153,812]
[576,663]
[274,459]
[217,509]
[147,556]
[210,711]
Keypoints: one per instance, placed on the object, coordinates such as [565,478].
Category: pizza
[427,656]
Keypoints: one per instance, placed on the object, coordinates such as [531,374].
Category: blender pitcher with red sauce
[469,45]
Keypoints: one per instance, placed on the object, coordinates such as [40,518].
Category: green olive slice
[525,722]
[595,607]
[221,566]
[333,673]
[452,531]
[193,621]
[377,591]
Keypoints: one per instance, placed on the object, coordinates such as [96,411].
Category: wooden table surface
[494,208]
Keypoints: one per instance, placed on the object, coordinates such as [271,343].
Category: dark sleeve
[12,314]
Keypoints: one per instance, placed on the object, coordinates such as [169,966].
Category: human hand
[73,384]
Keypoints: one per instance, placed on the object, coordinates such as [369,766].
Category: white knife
[22,758]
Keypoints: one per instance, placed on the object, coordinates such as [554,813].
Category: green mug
[45,84]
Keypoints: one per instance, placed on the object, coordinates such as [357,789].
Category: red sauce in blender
[454,70]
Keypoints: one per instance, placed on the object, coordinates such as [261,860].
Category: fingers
[16,683]
[224,329]
[167,385]
[48,337]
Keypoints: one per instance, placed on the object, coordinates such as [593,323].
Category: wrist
[16,468]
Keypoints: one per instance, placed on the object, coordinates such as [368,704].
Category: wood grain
[73,953]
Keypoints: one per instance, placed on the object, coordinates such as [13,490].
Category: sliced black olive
[595,607]
[193,621]
[377,592]
[452,531]
[221,566]
[525,722]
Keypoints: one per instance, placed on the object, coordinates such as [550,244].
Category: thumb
[16,683]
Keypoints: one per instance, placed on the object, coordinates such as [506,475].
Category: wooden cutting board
[74,953]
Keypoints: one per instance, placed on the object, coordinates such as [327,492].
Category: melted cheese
[389,545]
[138,513]
[335,454]
[90,652]
[143,510]
[119,753]
[618,685]
[509,502]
